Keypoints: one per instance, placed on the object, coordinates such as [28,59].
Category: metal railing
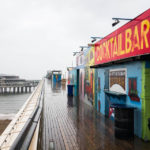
[19,133]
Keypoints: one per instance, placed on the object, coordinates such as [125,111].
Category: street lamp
[117,20]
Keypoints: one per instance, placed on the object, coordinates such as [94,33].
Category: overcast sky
[41,35]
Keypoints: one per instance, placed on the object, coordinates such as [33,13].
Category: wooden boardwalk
[69,124]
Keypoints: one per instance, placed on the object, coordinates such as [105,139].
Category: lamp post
[117,20]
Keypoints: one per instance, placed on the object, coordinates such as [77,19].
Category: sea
[10,104]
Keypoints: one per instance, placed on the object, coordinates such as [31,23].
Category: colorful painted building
[116,70]
[80,67]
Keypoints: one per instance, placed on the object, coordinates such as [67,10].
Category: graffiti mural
[89,81]
[133,93]
[89,84]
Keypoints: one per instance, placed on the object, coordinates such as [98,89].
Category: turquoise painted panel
[73,80]
[100,92]
[56,77]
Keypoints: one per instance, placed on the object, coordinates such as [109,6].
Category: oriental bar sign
[132,39]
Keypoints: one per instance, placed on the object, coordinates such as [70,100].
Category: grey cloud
[37,35]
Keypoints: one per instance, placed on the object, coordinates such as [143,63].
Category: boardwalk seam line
[63,135]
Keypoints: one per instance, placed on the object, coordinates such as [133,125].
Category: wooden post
[21,89]
[5,89]
[25,89]
[14,89]
[17,89]
[8,89]
[30,89]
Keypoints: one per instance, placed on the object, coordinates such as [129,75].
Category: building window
[117,80]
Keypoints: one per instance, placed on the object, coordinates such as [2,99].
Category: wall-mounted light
[95,38]
[117,20]
[74,53]
[82,47]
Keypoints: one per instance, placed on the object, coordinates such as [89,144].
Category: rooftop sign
[130,40]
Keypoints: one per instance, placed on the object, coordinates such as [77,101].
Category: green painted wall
[145,99]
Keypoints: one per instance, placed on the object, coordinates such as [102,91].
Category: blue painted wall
[134,69]
[100,93]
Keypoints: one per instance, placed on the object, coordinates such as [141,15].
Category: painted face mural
[89,85]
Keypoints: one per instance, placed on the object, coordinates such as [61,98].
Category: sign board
[130,40]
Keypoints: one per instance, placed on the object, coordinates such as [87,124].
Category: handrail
[30,124]
[22,141]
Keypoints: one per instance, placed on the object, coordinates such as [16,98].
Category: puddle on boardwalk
[73,124]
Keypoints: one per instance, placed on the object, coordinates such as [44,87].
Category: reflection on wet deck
[69,124]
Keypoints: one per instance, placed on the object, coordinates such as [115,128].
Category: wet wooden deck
[69,124]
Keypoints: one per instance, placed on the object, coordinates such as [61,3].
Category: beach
[3,125]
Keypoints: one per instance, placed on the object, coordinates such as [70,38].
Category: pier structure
[13,84]
[109,107]
[50,119]
[18,87]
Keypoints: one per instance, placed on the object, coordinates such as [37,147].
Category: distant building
[5,78]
